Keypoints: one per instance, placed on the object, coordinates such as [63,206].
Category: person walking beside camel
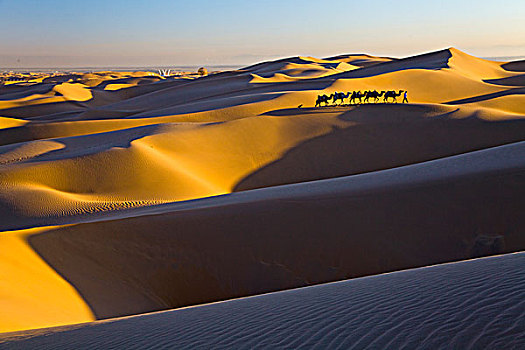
[405,98]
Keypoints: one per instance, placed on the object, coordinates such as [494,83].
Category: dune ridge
[132,192]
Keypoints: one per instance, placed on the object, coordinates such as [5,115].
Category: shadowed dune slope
[383,137]
[296,235]
[516,66]
[467,305]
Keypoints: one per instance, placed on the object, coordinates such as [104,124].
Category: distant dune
[129,192]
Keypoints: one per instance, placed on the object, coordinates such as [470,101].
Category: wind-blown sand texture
[476,304]
[124,193]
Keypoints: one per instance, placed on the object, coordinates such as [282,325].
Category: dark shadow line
[515,91]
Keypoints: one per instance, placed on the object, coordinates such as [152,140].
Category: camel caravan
[358,97]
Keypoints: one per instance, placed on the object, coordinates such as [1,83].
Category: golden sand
[89,147]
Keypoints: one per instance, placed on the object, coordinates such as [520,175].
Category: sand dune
[171,162]
[435,77]
[224,247]
[6,123]
[360,60]
[479,306]
[129,192]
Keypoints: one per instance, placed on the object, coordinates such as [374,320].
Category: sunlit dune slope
[6,123]
[478,308]
[32,293]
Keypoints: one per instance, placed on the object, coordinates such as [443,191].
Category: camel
[358,95]
[368,94]
[376,95]
[373,94]
[323,98]
[340,96]
[393,94]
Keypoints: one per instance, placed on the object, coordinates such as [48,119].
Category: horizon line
[152,66]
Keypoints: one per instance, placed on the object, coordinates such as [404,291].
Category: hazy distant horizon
[139,33]
[177,68]
[192,68]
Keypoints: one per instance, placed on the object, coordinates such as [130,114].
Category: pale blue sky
[162,32]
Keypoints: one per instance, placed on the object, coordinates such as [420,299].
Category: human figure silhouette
[405,98]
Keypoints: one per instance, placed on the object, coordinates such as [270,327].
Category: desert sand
[406,309]
[128,192]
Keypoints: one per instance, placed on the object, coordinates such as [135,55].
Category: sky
[125,33]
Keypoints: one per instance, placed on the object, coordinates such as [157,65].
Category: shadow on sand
[486,97]
[383,136]
[516,66]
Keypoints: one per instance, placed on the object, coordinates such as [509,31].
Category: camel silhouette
[367,96]
[356,95]
[393,94]
[376,95]
[373,94]
[323,99]
[340,96]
